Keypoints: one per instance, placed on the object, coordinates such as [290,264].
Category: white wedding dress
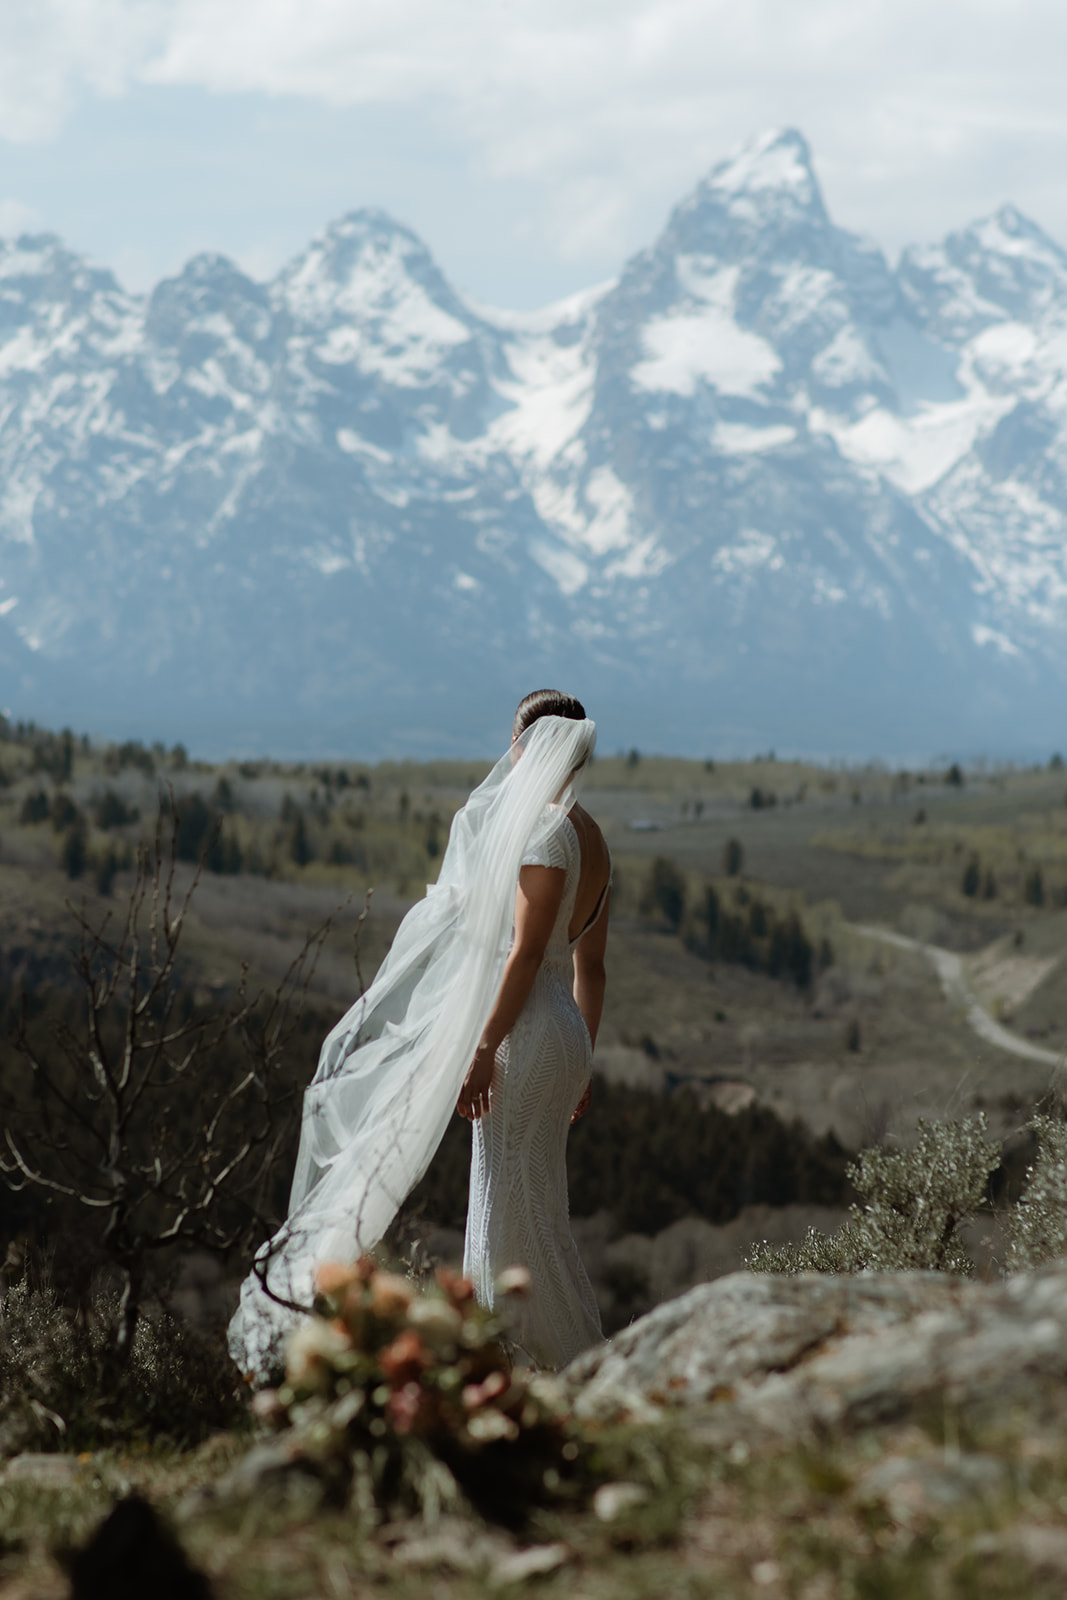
[519,1213]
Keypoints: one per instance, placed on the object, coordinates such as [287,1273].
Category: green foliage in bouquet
[405,1400]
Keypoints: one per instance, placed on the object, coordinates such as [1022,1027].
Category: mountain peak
[763,202]
[778,160]
[1009,232]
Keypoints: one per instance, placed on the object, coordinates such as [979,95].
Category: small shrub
[1038,1224]
[914,1203]
[733,857]
[60,1389]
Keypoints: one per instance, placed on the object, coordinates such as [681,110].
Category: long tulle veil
[390,1072]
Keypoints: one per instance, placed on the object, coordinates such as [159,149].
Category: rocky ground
[896,1435]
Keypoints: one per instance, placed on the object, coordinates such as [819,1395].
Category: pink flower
[459,1290]
[405,1360]
[334,1277]
[480,1394]
[390,1294]
[411,1409]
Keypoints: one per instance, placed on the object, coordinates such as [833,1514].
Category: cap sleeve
[547,845]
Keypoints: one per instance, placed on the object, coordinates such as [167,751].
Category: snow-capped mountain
[763,489]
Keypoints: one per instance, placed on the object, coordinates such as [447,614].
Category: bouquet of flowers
[409,1399]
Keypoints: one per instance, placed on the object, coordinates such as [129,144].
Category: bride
[488,1002]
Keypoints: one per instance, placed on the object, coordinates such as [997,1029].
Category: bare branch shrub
[158,1122]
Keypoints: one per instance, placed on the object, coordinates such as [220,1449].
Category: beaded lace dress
[519,1214]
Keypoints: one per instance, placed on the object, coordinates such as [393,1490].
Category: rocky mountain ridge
[763,489]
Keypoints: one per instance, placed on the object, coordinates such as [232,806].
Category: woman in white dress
[490,996]
[529,1079]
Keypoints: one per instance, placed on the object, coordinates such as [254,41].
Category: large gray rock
[786,1357]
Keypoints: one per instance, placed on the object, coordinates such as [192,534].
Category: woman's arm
[537,902]
[590,975]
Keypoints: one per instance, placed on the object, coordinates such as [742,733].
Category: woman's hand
[476,1095]
[583,1105]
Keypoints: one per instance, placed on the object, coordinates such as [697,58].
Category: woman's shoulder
[550,843]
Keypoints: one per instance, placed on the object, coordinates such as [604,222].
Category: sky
[533,144]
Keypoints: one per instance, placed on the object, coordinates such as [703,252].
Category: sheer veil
[390,1072]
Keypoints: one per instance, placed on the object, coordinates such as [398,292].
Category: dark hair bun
[546,703]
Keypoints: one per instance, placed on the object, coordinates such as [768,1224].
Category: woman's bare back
[594,875]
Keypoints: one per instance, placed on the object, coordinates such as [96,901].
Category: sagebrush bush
[60,1388]
[913,1203]
[1037,1225]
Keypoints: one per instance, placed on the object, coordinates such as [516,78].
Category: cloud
[53,50]
[16,218]
[918,113]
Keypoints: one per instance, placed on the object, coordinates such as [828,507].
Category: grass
[808,1521]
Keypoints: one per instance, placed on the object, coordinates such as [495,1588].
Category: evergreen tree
[74,857]
[35,808]
[299,846]
[733,857]
[665,893]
